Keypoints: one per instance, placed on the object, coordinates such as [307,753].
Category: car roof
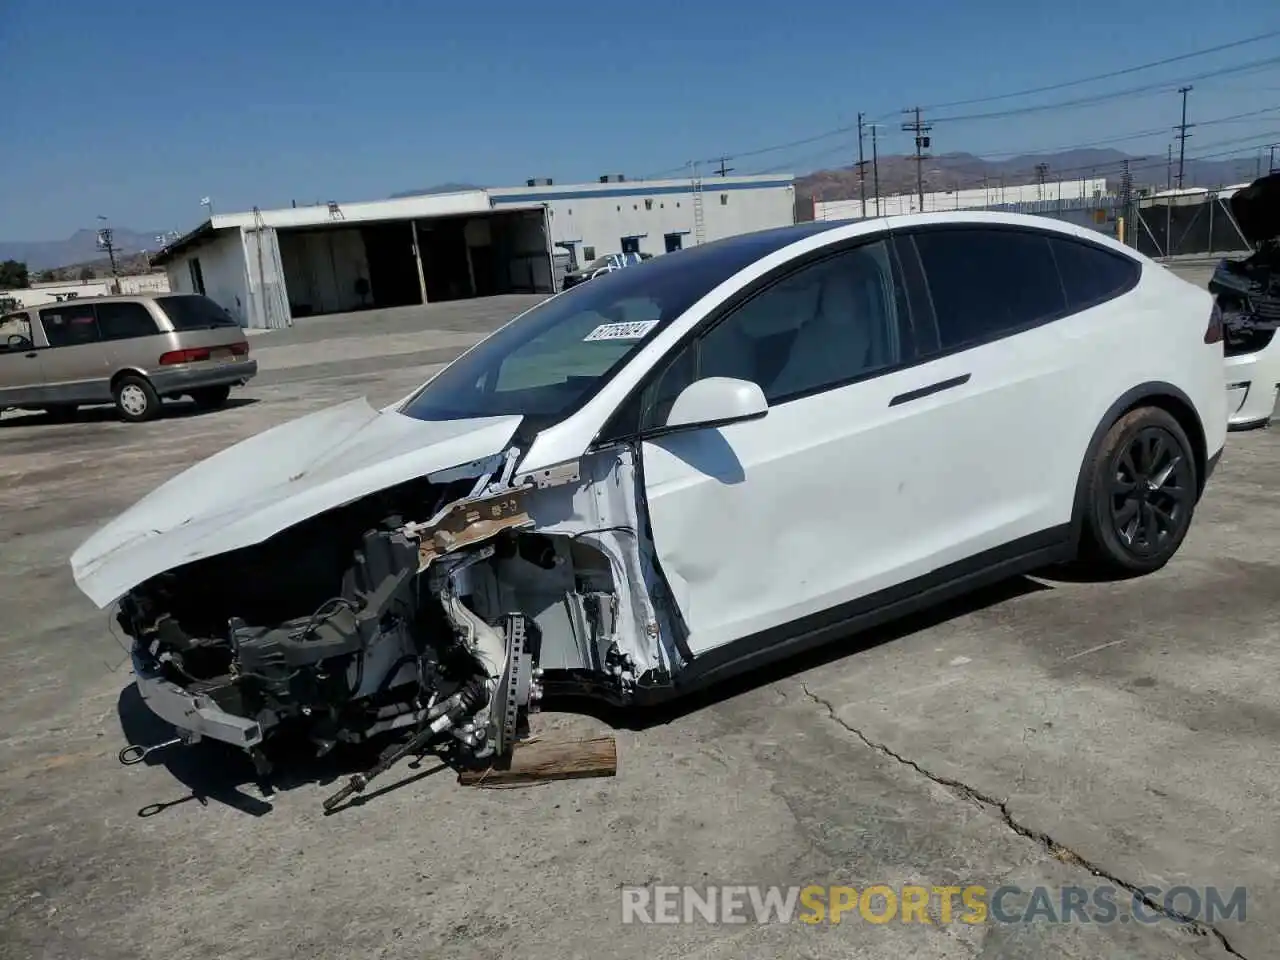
[109,298]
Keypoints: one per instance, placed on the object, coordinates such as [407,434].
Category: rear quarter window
[1092,275]
[195,313]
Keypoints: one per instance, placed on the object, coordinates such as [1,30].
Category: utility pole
[1042,170]
[1168,170]
[862,171]
[723,170]
[922,143]
[106,240]
[875,168]
[1182,132]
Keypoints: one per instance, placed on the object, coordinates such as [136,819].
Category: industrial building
[994,195]
[270,267]
[56,291]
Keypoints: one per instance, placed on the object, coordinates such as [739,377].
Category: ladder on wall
[699,218]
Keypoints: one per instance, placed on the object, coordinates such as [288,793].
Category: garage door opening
[399,263]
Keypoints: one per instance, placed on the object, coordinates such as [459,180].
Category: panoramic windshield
[552,359]
[555,357]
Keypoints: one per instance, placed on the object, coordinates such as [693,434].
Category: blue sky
[137,110]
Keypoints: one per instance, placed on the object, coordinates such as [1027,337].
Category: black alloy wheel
[1151,491]
[1143,493]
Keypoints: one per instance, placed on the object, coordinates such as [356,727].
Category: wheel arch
[1164,396]
[127,372]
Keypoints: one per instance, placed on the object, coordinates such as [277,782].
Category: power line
[1082,101]
[1109,75]
[1107,97]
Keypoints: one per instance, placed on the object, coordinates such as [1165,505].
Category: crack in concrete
[1056,850]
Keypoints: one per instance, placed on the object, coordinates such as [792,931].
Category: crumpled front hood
[272,481]
[1256,209]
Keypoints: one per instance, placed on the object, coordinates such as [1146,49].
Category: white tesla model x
[698,464]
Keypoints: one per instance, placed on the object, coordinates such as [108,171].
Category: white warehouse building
[992,195]
[270,267]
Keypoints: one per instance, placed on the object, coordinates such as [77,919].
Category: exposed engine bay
[438,610]
[1248,289]
[1248,293]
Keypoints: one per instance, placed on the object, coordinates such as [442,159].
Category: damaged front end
[1248,294]
[1248,289]
[438,610]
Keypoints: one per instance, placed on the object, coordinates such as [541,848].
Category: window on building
[724,199]
[988,283]
[588,254]
[197,275]
[69,325]
[124,320]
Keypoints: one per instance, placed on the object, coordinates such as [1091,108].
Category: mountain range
[960,171]
[897,174]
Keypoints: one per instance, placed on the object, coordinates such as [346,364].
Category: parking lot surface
[1044,733]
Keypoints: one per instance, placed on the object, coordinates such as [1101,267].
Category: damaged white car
[680,470]
[1248,293]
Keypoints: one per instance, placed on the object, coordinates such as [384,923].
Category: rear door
[131,338]
[76,367]
[1000,469]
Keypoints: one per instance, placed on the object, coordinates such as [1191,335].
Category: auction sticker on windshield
[621,331]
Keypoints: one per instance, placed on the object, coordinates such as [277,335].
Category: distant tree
[13,275]
[47,276]
[86,274]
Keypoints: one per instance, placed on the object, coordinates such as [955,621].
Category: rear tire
[1141,494]
[136,399]
[210,398]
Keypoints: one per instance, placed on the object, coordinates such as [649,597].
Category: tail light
[196,354]
[1214,332]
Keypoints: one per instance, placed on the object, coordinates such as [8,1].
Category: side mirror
[18,342]
[716,401]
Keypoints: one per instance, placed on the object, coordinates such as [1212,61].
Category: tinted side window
[1090,274]
[824,325]
[70,325]
[122,321]
[985,283]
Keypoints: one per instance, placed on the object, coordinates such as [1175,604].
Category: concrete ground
[1043,733]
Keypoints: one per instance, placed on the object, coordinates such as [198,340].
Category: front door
[761,523]
[21,377]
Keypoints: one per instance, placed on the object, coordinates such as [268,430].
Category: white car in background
[693,466]
[1248,293]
